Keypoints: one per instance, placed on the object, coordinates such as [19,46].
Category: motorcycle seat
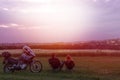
[12,61]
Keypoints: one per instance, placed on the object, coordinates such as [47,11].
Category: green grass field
[87,68]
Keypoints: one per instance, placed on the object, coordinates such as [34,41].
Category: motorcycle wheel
[8,68]
[36,66]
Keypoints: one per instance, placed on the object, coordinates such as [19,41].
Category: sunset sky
[58,20]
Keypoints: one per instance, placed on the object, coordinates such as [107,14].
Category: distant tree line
[77,54]
[87,45]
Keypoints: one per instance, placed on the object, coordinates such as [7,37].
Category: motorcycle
[11,64]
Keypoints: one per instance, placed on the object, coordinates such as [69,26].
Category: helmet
[27,50]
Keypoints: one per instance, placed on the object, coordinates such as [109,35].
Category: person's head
[53,55]
[68,57]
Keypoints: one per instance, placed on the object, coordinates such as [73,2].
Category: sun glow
[60,19]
